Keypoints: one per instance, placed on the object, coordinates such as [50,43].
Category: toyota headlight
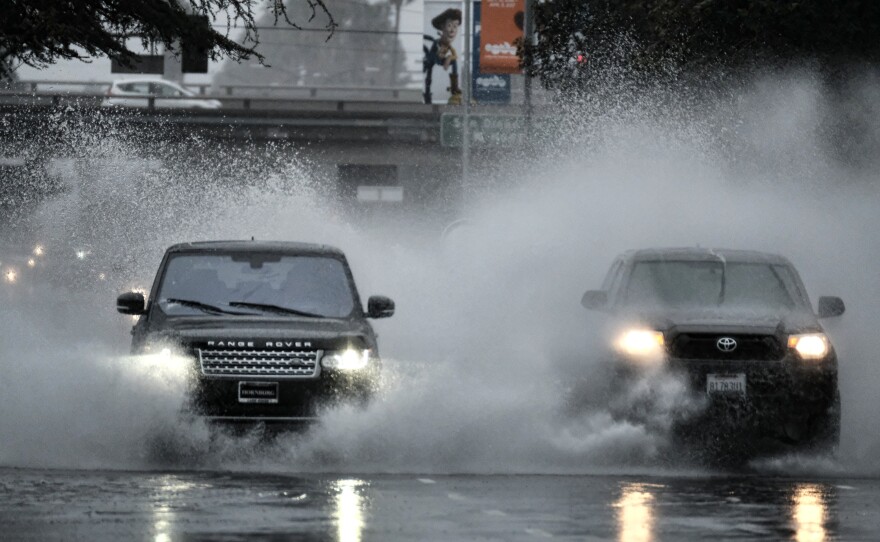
[810,345]
[346,360]
[642,344]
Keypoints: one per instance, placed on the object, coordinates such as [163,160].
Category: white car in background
[166,94]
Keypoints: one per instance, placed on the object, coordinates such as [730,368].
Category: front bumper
[788,400]
[786,383]
[297,400]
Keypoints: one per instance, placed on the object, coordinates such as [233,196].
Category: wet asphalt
[169,506]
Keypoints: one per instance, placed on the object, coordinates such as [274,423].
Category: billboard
[443,49]
[502,30]
[488,88]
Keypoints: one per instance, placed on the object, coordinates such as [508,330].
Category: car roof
[144,80]
[707,254]
[285,247]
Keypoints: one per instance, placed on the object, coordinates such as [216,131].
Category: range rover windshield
[711,284]
[255,284]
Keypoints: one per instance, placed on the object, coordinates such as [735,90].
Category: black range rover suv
[265,331]
[740,329]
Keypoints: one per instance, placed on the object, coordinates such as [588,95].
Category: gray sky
[98,69]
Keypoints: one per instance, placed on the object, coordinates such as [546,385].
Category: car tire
[826,429]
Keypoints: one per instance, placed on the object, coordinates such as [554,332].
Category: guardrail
[241,90]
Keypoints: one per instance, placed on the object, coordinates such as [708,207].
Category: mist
[489,332]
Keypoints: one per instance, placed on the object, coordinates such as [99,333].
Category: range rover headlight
[810,345]
[346,360]
[166,359]
[643,344]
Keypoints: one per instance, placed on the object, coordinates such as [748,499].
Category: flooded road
[168,506]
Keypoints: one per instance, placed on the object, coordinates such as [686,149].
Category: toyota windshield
[708,284]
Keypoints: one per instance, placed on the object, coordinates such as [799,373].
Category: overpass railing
[239,105]
[211,91]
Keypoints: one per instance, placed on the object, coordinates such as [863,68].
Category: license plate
[258,392]
[726,384]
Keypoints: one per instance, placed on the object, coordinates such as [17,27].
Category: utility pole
[392,73]
[528,31]
[172,67]
[466,97]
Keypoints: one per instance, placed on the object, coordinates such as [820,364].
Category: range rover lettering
[267,331]
[739,328]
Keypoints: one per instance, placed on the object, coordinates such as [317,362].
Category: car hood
[194,329]
[727,320]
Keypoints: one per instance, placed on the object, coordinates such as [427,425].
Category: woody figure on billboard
[442,53]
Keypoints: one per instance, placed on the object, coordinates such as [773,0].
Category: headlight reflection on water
[809,512]
[169,489]
[163,517]
[635,513]
[349,513]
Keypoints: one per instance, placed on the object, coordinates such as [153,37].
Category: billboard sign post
[487,88]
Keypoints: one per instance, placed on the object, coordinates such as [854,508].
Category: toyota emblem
[726,344]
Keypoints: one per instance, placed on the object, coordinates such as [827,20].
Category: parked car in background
[165,94]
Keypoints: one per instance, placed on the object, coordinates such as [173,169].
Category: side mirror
[379,306]
[595,299]
[131,303]
[831,306]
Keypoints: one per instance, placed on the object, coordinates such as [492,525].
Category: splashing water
[489,328]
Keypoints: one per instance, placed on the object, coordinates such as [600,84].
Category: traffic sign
[484,130]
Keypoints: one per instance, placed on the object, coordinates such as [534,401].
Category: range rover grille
[275,363]
[703,346]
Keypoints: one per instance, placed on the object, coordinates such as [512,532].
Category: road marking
[539,532]
[456,497]
[426,480]
[498,513]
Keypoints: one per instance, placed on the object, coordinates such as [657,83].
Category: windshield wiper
[201,306]
[723,261]
[274,308]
